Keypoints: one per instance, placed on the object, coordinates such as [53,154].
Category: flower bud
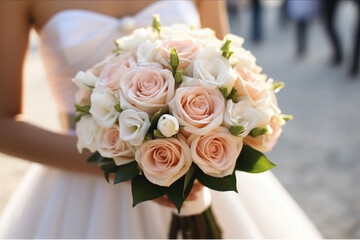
[168,125]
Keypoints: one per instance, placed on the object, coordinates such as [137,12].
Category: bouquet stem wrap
[196,220]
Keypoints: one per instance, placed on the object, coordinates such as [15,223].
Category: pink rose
[266,142]
[216,152]
[111,146]
[147,89]
[250,84]
[164,161]
[197,109]
[186,49]
[111,75]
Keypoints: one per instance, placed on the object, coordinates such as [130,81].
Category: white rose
[134,40]
[86,130]
[102,107]
[147,51]
[133,126]
[168,125]
[216,73]
[85,80]
[240,114]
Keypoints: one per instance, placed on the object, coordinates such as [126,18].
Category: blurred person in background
[302,12]
[330,10]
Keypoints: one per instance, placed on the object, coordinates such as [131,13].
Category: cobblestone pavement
[318,152]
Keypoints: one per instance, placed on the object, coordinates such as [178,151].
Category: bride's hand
[165,201]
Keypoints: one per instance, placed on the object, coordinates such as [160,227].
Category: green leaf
[83,109]
[108,168]
[158,134]
[118,108]
[226,49]
[154,120]
[143,190]
[190,177]
[174,60]
[94,158]
[277,86]
[175,193]
[117,49]
[178,77]
[236,130]
[78,117]
[126,172]
[156,24]
[224,91]
[287,117]
[232,95]
[252,161]
[227,183]
[258,131]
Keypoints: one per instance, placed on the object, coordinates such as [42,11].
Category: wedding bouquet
[175,105]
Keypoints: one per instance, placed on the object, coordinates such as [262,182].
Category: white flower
[134,40]
[240,114]
[168,125]
[236,41]
[103,103]
[146,51]
[133,126]
[85,80]
[86,130]
[215,73]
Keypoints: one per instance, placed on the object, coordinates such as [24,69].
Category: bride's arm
[213,14]
[18,137]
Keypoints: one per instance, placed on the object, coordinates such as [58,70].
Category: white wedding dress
[51,203]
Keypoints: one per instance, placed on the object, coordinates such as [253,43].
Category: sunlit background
[317,155]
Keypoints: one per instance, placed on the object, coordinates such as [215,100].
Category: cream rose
[111,146]
[111,75]
[103,103]
[214,73]
[186,49]
[215,153]
[147,89]
[86,130]
[240,114]
[164,161]
[197,109]
[85,80]
[266,142]
[251,86]
[168,125]
[133,126]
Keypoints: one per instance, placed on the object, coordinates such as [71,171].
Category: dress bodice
[74,40]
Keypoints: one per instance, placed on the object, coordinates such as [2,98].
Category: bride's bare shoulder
[42,11]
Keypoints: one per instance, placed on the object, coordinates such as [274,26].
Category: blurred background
[310,47]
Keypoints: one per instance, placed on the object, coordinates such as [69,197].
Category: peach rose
[111,146]
[147,89]
[266,142]
[216,152]
[250,84]
[164,161]
[111,75]
[197,109]
[186,49]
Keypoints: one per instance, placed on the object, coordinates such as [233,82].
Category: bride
[63,197]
